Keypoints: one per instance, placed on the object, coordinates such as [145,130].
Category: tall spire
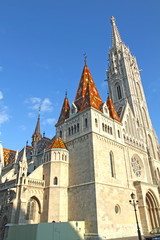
[116,39]
[37,135]
[87,94]
[65,109]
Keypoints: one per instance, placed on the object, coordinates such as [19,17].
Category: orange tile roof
[64,111]
[9,156]
[112,111]
[57,143]
[87,94]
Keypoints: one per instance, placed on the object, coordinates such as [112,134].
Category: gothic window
[60,134]
[59,156]
[151,149]
[33,210]
[103,126]
[72,129]
[55,181]
[158,173]
[110,130]
[119,94]
[118,133]
[96,122]
[86,122]
[152,210]
[145,119]
[77,127]
[112,165]
[69,131]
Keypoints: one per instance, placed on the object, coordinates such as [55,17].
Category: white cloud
[23,127]
[46,105]
[50,121]
[31,115]
[4,117]
[35,103]
[1,95]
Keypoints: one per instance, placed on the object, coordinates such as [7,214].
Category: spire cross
[85,59]
[66,93]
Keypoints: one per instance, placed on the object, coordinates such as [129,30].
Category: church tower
[125,88]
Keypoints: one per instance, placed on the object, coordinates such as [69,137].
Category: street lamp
[134,204]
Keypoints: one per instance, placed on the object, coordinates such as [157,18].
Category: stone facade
[88,171]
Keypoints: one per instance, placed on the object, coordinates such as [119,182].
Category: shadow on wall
[48,231]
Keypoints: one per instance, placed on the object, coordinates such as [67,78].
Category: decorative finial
[43,134]
[26,143]
[85,59]
[113,20]
[66,93]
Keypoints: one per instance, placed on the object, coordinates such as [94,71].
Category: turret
[22,166]
[37,135]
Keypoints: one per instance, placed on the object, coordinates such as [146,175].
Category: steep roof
[87,94]
[57,143]
[64,111]
[9,156]
[112,110]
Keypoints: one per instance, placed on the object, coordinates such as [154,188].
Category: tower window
[72,130]
[86,122]
[60,134]
[96,122]
[77,127]
[118,133]
[112,165]
[119,92]
[55,181]
[69,131]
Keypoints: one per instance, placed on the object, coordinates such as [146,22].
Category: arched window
[118,133]
[158,173]
[72,129]
[151,148]
[77,127]
[153,210]
[112,165]
[55,181]
[103,126]
[96,122]
[69,131]
[86,122]
[60,134]
[33,210]
[119,94]
[110,130]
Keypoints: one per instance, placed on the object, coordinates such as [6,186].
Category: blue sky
[41,55]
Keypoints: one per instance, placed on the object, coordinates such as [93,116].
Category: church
[101,154]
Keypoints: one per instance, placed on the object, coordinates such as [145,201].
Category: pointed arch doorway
[153,210]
